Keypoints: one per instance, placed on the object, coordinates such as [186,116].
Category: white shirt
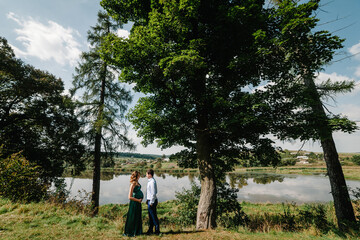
[151,190]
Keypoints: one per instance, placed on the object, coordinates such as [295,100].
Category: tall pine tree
[104,101]
[301,53]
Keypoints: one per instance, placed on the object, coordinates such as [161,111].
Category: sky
[51,35]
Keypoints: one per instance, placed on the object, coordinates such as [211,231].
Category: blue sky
[50,35]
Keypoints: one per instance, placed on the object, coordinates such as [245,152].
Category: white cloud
[123,33]
[350,110]
[49,41]
[357,72]
[355,50]
[333,76]
[152,148]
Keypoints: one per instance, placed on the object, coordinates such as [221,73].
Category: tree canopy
[192,59]
[36,117]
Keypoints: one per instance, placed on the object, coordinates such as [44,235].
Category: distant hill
[136,155]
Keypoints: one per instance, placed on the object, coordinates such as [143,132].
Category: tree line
[218,77]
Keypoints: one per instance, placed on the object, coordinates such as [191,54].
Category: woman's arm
[131,190]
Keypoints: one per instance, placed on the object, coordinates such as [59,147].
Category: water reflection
[237,180]
[253,187]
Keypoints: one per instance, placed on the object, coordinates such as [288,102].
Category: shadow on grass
[172,232]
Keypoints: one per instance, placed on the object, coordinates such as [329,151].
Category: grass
[47,220]
[350,172]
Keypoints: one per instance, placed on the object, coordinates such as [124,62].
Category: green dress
[133,224]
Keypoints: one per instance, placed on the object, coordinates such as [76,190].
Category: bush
[228,210]
[19,179]
[188,201]
[60,194]
[315,215]
[141,164]
[288,162]
[356,159]
[158,165]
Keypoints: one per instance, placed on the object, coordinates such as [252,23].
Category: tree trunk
[96,175]
[206,216]
[343,207]
[97,154]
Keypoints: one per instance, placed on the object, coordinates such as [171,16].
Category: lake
[253,187]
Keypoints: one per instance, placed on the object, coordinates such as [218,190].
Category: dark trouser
[153,219]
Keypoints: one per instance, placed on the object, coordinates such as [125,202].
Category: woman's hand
[140,200]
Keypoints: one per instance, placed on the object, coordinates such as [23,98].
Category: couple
[133,224]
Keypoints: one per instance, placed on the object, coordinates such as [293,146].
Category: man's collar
[149,179]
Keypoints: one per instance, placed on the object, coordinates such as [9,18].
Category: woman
[133,224]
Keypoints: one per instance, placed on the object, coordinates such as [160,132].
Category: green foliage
[20,179]
[229,212]
[104,100]
[356,159]
[228,209]
[158,165]
[288,217]
[195,60]
[188,201]
[135,155]
[287,162]
[107,162]
[60,194]
[198,63]
[141,164]
[36,117]
[315,215]
[302,52]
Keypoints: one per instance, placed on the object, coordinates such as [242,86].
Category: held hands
[140,200]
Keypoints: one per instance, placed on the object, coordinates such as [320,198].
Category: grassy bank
[350,172]
[56,221]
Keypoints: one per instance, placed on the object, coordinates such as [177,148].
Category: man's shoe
[149,233]
[157,232]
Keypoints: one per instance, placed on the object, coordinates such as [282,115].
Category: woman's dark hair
[150,171]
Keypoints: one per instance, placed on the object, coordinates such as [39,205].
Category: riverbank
[71,221]
[350,172]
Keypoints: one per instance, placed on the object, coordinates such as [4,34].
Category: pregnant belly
[139,195]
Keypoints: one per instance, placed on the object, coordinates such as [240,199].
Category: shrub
[60,194]
[356,159]
[158,165]
[315,215]
[141,164]
[19,179]
[228,210]
[288,162]
[287,218]
[188,201]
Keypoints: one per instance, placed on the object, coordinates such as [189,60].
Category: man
[152,202]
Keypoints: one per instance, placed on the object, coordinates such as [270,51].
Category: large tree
[196,61]
[103,102]
[36,118]
[302,52]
